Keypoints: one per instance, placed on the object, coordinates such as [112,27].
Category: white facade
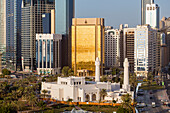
[44,53]
[112,47]
[78,89]
[152,15]
[126,85]
[97,70]
[145,50]
[2,26]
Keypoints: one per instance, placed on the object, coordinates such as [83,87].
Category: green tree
[122,110]
[150,78]
[6,72]
[32,100]
[103,79]
[103,93]
[44,92]
[114,71]
[133,81]
[41,104]
[126,102]
[43,79]
[66,70]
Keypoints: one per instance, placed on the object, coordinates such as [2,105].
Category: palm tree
[126,102]
[133,81]
[44,92]
[103,93]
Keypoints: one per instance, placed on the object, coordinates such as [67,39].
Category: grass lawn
[152,86]
[105,109]
[62,108]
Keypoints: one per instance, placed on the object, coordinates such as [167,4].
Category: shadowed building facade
[87,45]
[64,12]
[31,25]
[129,46]
[13,36]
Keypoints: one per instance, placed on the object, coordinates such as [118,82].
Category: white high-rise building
[112,49]
[145,50]
[152,15]
[2,25]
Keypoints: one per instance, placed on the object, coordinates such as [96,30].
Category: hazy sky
[117,12]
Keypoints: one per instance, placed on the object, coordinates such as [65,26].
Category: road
[153,96]
[167,84]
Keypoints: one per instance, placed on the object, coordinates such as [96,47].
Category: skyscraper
[112,48]
[87,45]
[165,28]
[129,46]
[145,50]
[64,12]
[3,29]
[32,11]
[143,10]
[152,15]
[46,22]
[13,36]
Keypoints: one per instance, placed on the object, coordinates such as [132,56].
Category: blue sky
[117,12]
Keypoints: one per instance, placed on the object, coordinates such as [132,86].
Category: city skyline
[118,16]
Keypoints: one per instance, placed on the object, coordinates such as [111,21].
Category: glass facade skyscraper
[64,12]
[32,11]
[46,22]
[13,34]
[87,45]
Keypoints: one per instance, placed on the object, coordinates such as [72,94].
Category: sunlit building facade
[3,30]
[87,45]
[143,10]
[145,50]
[152,15]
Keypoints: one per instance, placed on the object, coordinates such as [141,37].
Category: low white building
[78,89]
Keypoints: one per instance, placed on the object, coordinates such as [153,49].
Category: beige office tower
[129,47]
[87,45]
[53,21]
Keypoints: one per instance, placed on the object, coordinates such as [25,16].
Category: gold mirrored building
[87,45]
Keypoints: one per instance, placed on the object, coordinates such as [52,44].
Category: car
[153,104]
